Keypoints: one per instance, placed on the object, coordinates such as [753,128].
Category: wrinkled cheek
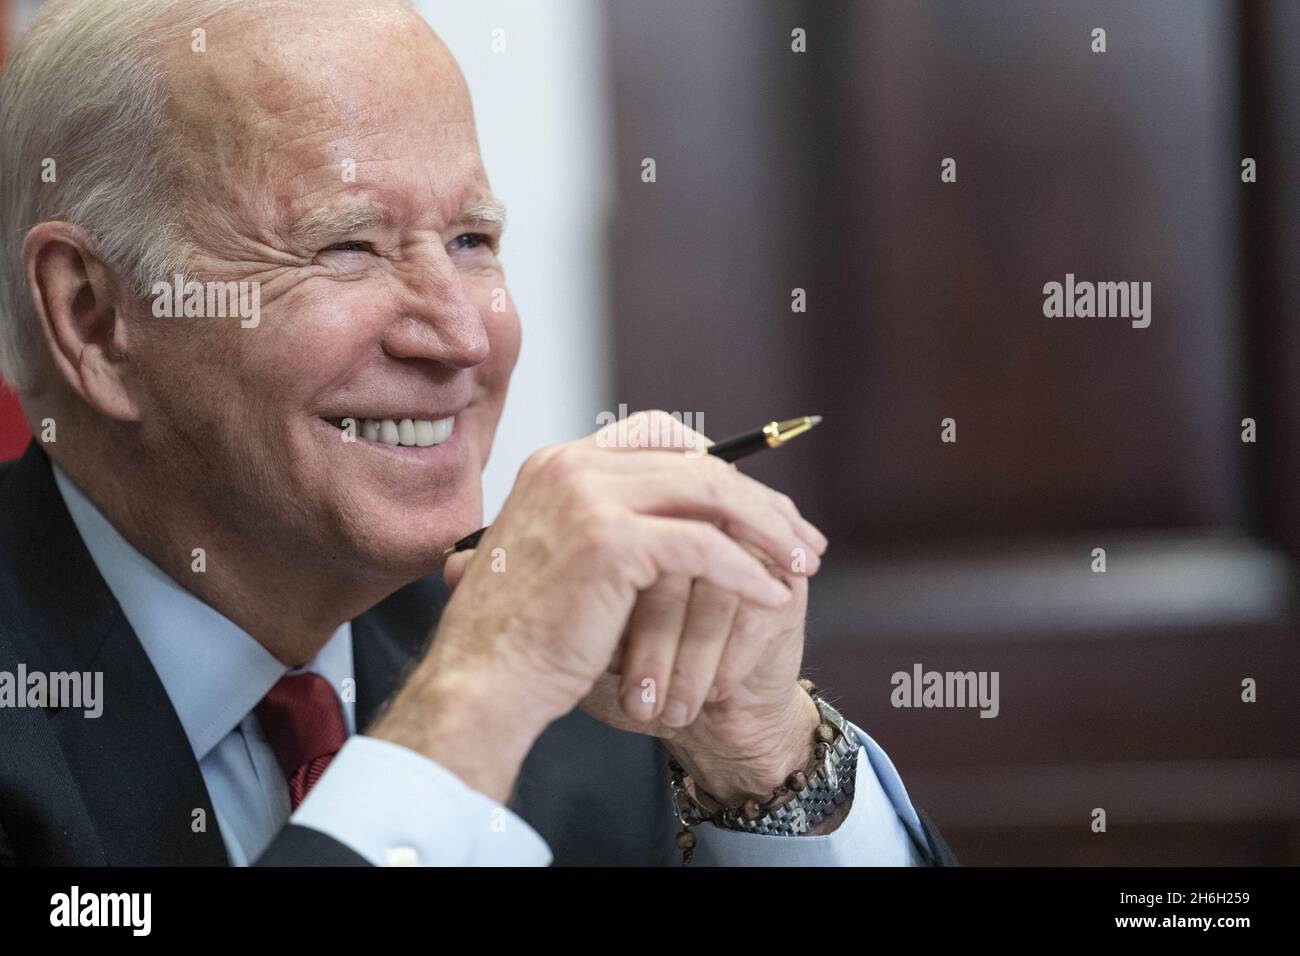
[206,391]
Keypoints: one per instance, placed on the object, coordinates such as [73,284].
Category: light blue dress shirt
[391,805]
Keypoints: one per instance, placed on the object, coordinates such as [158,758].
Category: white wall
[543,127]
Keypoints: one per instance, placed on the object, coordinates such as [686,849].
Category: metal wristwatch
[806,798]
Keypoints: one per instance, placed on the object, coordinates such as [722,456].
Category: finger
[785,505]
[454,567]
[657,429]
[699,550]
[650,429]
[749,510]
[653,631]
[705,632]
[615,665]
[758,495]
[741,654]
[752,640]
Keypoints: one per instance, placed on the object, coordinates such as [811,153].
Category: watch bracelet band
[806,798]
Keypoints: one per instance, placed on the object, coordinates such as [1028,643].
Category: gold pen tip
[814,419]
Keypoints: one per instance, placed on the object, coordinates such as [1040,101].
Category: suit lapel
[389,639]
[133,765]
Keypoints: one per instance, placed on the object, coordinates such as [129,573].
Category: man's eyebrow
[485,212]
[327,222]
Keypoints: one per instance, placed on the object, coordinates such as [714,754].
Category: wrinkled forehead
[278,107]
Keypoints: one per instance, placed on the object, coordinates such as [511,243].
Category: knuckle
[716,480]
[727,679]
[672,431]
[563,464]
[580,499]
[724,684]
[564,470]
[646,428]
[710,544]
[535,463]
[599,530]
[716,466]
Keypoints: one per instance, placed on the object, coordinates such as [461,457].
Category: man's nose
[438,319]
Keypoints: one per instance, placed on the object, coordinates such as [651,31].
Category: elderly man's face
[333,161]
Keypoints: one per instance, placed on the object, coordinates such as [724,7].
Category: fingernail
[636,706]
[675,715]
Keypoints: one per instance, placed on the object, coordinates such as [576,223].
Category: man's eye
[475,239]
[352,245]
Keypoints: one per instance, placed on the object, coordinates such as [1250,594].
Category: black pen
[771,435]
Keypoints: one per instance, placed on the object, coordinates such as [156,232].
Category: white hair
[85,89]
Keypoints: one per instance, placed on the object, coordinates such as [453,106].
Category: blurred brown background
[820,171]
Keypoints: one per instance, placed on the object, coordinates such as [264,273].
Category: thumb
[455,567]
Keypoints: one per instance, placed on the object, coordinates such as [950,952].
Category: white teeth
[442,430]
[409,432]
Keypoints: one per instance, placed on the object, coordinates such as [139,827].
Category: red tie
[303,723]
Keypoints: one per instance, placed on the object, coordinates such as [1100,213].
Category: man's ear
[77,298]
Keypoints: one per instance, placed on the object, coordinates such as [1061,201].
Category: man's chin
[396,564]
[409,545]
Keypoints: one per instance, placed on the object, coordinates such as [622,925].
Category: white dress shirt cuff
[878,830]
[396,807]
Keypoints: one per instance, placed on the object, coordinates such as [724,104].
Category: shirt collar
[214,672]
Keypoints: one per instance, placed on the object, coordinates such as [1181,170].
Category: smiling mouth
[407,432]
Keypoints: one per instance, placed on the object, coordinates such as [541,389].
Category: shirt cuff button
[402,856]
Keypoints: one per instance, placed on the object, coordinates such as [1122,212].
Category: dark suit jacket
[121,789]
